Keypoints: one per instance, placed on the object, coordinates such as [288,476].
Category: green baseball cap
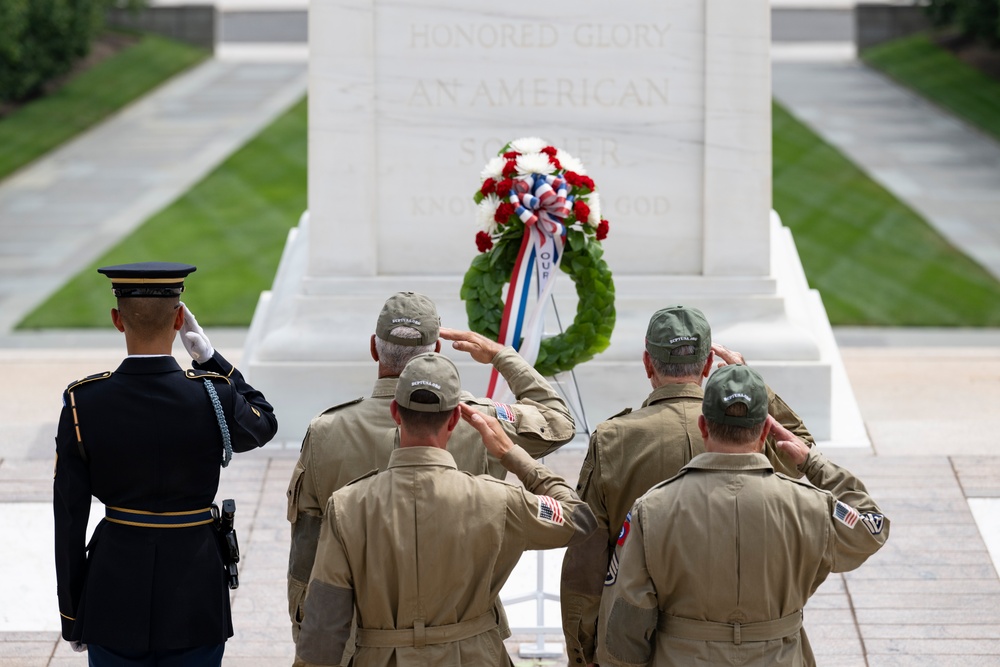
[735,384]
[674,327]
[435,373]
[409,309]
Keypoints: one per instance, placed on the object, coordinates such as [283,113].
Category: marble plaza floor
[930,597]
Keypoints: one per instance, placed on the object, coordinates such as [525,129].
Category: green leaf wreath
[500,241]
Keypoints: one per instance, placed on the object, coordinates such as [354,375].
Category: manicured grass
[935,73]
[43,124]
[874,260]
[232,226]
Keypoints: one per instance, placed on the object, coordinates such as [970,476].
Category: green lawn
[232,226]
[44,124]
[874,260]
[919,64]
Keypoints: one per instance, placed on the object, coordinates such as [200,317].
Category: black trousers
[202,656]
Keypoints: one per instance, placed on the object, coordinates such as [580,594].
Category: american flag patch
[504,412]
[549,509]
[845,514]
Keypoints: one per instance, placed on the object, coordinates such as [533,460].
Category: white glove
[195,341]
[79,647]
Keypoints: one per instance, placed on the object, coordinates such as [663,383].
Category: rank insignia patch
[845,514]
[504,412]
[612,576]
[873,522]
[550,509]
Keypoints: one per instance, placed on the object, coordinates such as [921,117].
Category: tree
[42,39]
[976,19]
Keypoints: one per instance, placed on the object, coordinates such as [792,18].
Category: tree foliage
[976,19]
[42,39]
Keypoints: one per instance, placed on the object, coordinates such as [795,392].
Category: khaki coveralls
[423,550]
[351,440]
[739,550]
[628,454]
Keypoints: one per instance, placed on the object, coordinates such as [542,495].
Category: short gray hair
[393,356]
[664,369]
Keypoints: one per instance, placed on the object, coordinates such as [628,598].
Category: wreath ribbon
[542,204]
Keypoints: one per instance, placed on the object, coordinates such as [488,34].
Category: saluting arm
[542,420]
[252,421]
[861,528]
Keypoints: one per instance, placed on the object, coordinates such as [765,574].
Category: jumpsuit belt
[737,633]
[419,635]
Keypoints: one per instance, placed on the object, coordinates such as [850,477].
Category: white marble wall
[667,102]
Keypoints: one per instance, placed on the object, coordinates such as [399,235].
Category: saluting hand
[195,341]
[728,357]
[496,441]
[788,443]
[480,347]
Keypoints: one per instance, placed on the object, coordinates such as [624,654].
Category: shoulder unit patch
[873,521]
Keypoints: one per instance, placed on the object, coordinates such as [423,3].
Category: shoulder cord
[227,445]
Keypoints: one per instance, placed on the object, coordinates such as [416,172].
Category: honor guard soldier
[634,450]
[353,439]
[738,547]
[421,550]
[147,440]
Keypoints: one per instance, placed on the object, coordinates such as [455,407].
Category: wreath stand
[570,390]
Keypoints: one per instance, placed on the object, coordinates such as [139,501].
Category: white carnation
[493,169]
[594,202]
[534,163]
[486,213]
[528,145]
[570,163]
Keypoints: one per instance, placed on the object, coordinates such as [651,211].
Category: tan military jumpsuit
[628,454]
[348,441]
[423,550]
[738,551]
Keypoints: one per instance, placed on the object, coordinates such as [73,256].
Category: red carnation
[489,186]
[510,155]
[550,151]
[483,241]
[581,210]
[504,211]
[555,162]
[510,168]
[572,178]
[587,182]
[504,187]
[602,230]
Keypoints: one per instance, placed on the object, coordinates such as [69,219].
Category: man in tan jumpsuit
[350,440]
[632,451]
[422,549]
[739,548]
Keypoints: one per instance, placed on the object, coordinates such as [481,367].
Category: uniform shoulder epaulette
[365,476]
[196,374]
[621,414]
[342,405]
[801,481]
[90,378]
[659,485]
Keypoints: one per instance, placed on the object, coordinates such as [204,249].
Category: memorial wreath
[539,211]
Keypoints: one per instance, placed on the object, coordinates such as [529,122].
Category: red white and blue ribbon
[542,203]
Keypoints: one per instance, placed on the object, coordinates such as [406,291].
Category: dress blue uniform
[146,440]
